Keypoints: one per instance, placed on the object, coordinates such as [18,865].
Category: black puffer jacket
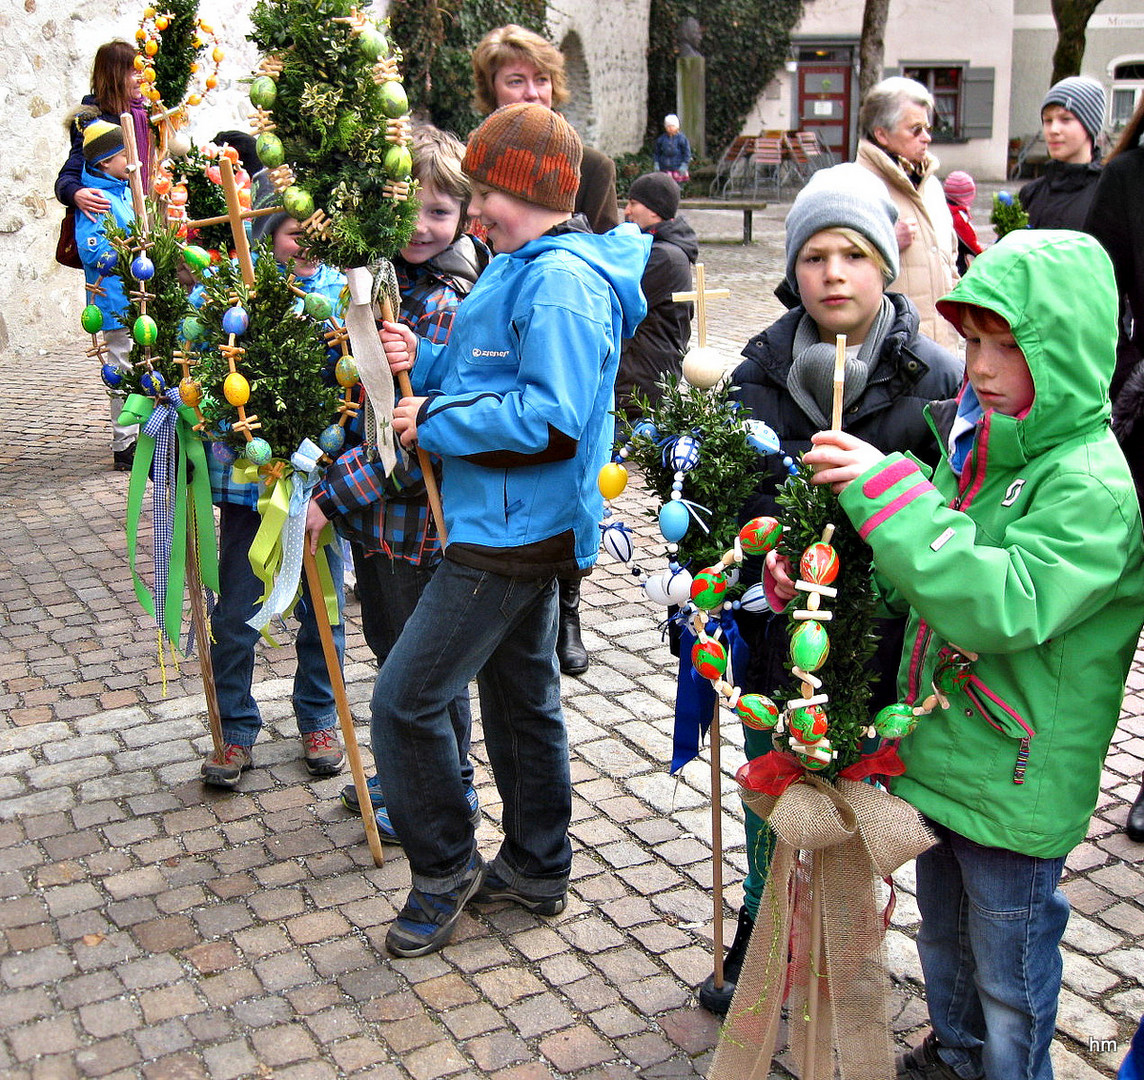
[661,339]
[910,371]
[1061,196]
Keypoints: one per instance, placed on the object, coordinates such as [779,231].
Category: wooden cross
[237,216]
[700,296]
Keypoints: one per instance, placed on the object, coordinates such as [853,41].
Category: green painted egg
[757,711]
[195,257]
[398,162]
[145,331]
[709,658]
[708,588]
[92,319]
[952,673]
[895,721]
[393,100]
[258,451]
[299,203]
[318,306]
[346,371]
[263,92]
[807,724]
[809,645]
[760,535]
[372,43]
[270,150]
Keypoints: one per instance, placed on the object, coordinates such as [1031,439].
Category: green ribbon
[137,409]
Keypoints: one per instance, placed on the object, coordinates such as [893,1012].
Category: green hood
[1057,291]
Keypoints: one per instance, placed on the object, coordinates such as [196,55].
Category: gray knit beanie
[658,192]
[1084,97]
[845,196]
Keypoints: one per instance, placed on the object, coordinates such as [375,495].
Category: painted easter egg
[808,723]
[197,258]
[345,371]
[819,563]
[372,44]
[813,763]
[270,150]
[760,535]
[190,391]
[258,451]
[678,586]
[263,92]
[617,541]
[709,658]
[612,479]
[895,721]
[755,598]
[235,320]
[809,645]
[318,306]
[107,262]
[91,319]
[142,268]
[674,521]
[332,439]
[655,585]
[145,331]
[223,454]
[191,329]
[703,367]
[684,454]
[708,588]
[757,711]
[152,383]
[111,375]
[393,100]
[761,437]
[236,389]
[299,203]
[398,162]
[952,673]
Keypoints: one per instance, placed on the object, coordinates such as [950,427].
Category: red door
[824,104]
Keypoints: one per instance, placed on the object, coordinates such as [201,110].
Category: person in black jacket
[1072,115]
[1115,220]
[660,341]
[841,253]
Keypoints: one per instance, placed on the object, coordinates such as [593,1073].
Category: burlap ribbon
[851,835]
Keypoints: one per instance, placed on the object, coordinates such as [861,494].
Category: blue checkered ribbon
[302,482]
[160,426]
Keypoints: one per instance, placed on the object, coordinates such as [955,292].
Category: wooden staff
[202,632]
[406,388]
[134,172]
[839,381]
[345,718]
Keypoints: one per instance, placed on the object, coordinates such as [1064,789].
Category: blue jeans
[389,590]
[232,651]
[502,632]
[992,922]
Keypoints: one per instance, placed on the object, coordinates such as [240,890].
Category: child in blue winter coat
[106,170]
[517,405]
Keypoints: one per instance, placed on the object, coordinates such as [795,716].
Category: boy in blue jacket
[517,406]
[105,170]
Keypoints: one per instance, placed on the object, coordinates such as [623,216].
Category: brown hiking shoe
[225,771]
[322,751]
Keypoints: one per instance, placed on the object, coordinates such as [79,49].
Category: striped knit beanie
[101,140]
[1083,97]
[528,151]
[960,188]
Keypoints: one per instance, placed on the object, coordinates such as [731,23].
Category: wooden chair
[767,164]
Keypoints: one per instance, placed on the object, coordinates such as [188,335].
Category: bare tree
[1071,17]
[872,44]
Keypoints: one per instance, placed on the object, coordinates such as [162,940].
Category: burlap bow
[853,834]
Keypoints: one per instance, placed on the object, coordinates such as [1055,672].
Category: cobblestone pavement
[151,929]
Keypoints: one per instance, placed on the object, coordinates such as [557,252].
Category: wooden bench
[748,207]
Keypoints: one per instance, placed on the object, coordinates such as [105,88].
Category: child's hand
[780,571]
[316,521]
[838,458]
[405,419]
[400,344]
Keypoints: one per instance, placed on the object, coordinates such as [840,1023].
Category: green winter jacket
[1032,558]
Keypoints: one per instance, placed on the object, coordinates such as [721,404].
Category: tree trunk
[1071,17]
[872,45]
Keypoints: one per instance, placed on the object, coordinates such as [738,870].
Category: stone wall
[46,49]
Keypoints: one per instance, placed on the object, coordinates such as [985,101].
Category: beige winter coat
[928,265]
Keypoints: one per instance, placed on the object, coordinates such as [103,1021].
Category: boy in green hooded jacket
[1023,552]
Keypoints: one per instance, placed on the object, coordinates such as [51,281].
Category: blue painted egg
[235,320]
[107,262]
[684,454]
[153,383]
[258,451]
[142,268]
[111,376]
[332,439]
[761,437]
[673,521]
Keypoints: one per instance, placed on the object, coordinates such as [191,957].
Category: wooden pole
[700,296]
[813,971]
[839,381]
[717,847]
[263,211]
[345,718]
[134,172]
[202,631]
[431,490]
[236,215]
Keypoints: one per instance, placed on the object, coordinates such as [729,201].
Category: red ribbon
[773,773]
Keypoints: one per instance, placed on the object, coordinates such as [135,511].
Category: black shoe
[1134,826]
[426,922]
[923,1063]
[123,459]
[494,889]
[718,1001]
[570,649]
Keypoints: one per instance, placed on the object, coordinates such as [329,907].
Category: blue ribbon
[694,695]
[160,426]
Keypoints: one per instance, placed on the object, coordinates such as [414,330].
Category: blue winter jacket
[91,240]
[521,396]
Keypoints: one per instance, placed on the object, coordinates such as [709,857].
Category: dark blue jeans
[389,590]
[502,632]
[232,651]
[992,922]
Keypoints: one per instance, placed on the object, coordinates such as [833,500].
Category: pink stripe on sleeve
[887,478]
[889,511]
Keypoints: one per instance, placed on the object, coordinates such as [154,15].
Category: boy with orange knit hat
[517,405]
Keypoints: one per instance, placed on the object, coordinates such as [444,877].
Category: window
[963,98]
[1127,86]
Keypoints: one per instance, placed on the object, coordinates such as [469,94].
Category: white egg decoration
[704,367]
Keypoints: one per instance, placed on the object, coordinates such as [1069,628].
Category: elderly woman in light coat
[895,123]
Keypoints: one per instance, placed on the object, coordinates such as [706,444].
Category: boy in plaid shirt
[387,521]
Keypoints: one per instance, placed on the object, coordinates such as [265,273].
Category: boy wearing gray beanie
[841,253]
[1072,114]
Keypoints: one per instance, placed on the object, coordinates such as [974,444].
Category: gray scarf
[811,376]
